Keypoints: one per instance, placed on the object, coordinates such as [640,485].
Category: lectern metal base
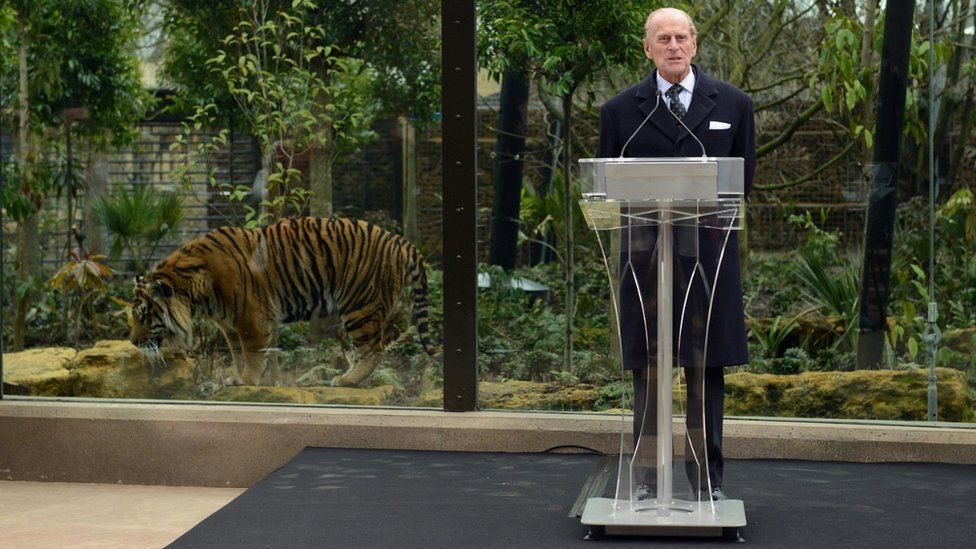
[619,518]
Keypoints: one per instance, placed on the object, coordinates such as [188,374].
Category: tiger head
[161,317]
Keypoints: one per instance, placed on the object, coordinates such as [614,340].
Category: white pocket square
[715,125]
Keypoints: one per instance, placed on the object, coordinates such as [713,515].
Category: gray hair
[647,24]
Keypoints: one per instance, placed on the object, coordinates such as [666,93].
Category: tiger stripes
[249,280]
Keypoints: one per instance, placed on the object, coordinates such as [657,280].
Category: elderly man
[720,117]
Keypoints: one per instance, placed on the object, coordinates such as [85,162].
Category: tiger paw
[233,381]
[340,381]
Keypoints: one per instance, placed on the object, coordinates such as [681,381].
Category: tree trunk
[260,193]
[320,157]
[964,105]
[568,210]
[27,260]
[736,59]
[96,183]
[411,190]
[509,151]
[540,251]
[875,283]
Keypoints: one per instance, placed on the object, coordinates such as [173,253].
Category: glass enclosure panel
[665,263]
[253,215]
[840,324]
[521,277]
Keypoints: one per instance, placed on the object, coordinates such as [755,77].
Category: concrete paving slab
[40,515]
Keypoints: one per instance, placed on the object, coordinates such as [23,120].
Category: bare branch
[788,132]
[809,176]
[780,101]
[778,83]
[705,28]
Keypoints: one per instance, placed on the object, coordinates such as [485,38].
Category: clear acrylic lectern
[663,225]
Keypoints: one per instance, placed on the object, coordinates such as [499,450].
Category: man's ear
[160,289]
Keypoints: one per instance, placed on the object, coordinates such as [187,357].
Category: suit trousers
[713,396]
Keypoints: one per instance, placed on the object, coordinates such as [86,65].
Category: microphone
[657,101]
[695,137]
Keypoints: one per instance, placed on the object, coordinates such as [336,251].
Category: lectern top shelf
[690,178]
[705,192]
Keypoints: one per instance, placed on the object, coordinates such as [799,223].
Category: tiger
[248,280]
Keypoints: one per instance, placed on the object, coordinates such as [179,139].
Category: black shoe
[718,494]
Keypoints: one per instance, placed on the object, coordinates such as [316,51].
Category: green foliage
[75,55]
[520,337]
[282,73]
[614,393]
[828,279]
[288,80]
[319,375]
[768,289]
[565,44]
[832,291]
[955,276]
[829,359]
[794,361]
[597,368]
[198,151]
[26,186]
[386,376]
[79,55]
[294,88]
[395,44]
[958,214]
[818,243]
[139,218]
[907,320]
[772,337]
[823,274]
[843,84]
[542,215]
[8,40]
[93,313]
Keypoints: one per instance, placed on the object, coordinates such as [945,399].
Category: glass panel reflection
[261,222]
[802,247]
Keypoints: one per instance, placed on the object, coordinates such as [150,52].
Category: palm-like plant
[138,218]
[773,335]
[833,293]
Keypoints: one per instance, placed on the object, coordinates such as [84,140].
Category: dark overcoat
[721,116]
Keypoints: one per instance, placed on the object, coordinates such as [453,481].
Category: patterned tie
[673,102]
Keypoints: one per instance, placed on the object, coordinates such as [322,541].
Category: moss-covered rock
[962,340]
[39,372]
[525,395]
[117,369]
[369,396]
[861,394]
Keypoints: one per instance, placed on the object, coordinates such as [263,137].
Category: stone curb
[196,444]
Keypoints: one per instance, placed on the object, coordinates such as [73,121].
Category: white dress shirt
[688,84]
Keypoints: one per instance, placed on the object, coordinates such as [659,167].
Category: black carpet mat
[403,499]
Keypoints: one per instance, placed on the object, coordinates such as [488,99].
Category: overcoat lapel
[647,93]
[702,104]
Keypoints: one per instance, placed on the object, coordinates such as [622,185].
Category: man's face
[671,45]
